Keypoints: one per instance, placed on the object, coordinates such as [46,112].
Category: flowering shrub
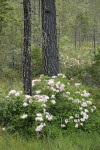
[56,103]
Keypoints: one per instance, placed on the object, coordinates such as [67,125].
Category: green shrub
[57,103]
[36,61]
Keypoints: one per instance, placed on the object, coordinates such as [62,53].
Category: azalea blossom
[85,94]
[12,92]
[49,117]
[39,117]
[3,129]
[40,127]
[35,81]
[28,97]
[24,116]
[38,91]
[84,104]
[51,82]
[41,98]
[71,117]
[63,126]
[25,104]
[30,101]
[77,84]
[53,96]
[76,125]
[17,94]
[66,121]
[53,102]
[68,93]
[89,102]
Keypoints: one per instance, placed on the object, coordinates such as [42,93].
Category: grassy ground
[7,85]
[76,141]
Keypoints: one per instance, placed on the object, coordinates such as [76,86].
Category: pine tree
[27,48]
[49,47]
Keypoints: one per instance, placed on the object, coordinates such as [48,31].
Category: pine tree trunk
[49,47]
[27,48]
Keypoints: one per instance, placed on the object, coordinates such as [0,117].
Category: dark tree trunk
[27,48]
[49,47]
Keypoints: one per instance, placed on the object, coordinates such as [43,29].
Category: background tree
[27,48]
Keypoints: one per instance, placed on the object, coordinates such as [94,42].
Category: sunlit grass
[75,141]
[6,85]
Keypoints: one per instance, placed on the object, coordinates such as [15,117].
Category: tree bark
[27,48]
[49,47]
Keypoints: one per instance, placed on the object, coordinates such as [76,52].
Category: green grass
[7,85]
[75,141]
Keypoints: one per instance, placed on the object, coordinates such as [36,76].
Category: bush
[57,103]
[36,61]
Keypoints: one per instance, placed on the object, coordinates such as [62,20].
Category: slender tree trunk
[27,48]
[94,42]
[49,47]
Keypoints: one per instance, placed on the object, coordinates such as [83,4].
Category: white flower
[53,89]
[60,74]
[68,83]
[28,97]
[85,94]
[77,92]
[86,110]
[25,104]
[63,126]
[80,108]
[89,102]
[49,117]
[34,81]
[71,117]
[76,125]
[24,116]
[41,98]
[40,127]
[82,119]
[84,104]
[60,86]
[77,84]
[76,115]
[30,101]
[94,107]
[53,102]
[85,116]
[3,129]
[51,82]
[66,121]
[70,98]
[17,94]
[76,101]
[68,93]
[43,105]
[92,110]
[75,120]
[54,77]
[81,124]
[39,117]
[12,92]
[53,96]
[38,91]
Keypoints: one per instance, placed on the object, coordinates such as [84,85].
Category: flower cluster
[14,92]
[56,100]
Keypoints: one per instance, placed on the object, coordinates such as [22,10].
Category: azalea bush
[56,103]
